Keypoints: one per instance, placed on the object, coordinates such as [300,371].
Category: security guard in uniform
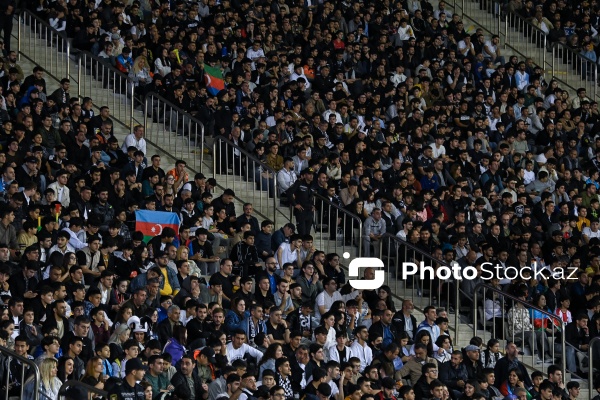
[130,389]
[302,200]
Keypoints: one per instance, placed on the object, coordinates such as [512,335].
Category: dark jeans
[6,25]
[304,220]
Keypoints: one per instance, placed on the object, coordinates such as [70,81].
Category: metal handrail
[574,60]
[591,361]
[58,67]
[36,371]
[432,261]
[551,316]
[23,17]
[190,125]
[338,210]
[79,384]
[85,86]
[248,159]
[541,52]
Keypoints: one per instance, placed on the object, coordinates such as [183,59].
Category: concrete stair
[163,140]
[519,39]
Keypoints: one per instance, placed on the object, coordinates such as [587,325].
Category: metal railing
[490,21]
[526,39]
[95,77]
[569,67]
[532,338]
[107,86]
[338,227]
[55,56]
[594,342]
[24,361]
[238,169]
[63,391]
[395,252]
[173,130]
[574,69]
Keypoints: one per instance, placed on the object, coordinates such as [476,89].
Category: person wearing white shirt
[339,351]
[73,230]
[286,176]
[332,110]
[360,348]
[327,297]
[299,73]
[255,52]
[465,46]
[289,252]
[60,188]
[237,349]
[405,31]
[590,232]
[300,160]
[135,139]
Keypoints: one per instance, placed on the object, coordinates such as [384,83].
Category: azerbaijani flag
[213,79]
[152,223]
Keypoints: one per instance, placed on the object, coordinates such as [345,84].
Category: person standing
[302,201]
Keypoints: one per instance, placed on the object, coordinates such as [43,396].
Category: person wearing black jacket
[577,334]
[508,362]
[301,198]
[245,256]
[472,362]
[384,328]
[454,374]
[129,389]
[405,321]
[180,380]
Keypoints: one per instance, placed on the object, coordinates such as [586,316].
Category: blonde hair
[180,250]
[46,373]
[122,328]
[136,62]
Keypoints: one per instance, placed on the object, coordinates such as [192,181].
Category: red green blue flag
[214,79]
[152,223]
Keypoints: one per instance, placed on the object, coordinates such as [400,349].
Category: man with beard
[195,327]
[187,384]
[384,328]
[217,323]
[271,268]
[248,387]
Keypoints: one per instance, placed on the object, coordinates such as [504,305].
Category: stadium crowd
[389,110]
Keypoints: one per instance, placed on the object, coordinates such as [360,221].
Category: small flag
[214,79]
[152,223]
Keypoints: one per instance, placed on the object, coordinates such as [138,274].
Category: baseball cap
[209,353]
[133,364]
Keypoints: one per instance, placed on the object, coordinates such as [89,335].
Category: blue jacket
[233,321]
[175,349]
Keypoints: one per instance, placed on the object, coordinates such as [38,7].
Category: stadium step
[521,40]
